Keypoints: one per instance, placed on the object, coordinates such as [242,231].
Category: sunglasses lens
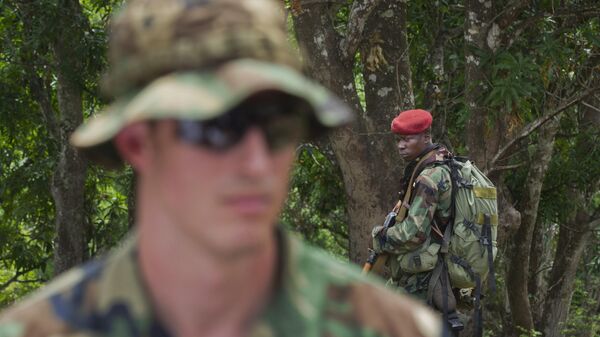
[215,136]
[285,130]
[283,123]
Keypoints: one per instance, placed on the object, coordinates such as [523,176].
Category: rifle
[376,261]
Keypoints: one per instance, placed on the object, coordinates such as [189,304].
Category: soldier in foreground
[209,106]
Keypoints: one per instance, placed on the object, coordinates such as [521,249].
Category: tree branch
[531,127]
[594,223]
[15,278]
[580,13]
[359,14]
[509,15]
[42,96]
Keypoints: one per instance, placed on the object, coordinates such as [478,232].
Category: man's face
[410,146]
[227,201]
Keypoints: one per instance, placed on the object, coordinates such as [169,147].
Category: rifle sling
[400,207]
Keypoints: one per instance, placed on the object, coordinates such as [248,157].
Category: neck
[428,148]
[198,292]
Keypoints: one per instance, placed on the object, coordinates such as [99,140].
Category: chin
[252,230]
[246,245]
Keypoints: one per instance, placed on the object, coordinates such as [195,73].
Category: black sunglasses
[283,119]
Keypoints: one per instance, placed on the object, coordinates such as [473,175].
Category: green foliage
[107,195]
[14,291]
[573,165]
[28,147]
[584,319]
[26,209]
[515,82]
[528,333]
[316,202]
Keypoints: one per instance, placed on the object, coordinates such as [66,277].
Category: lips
[249,205]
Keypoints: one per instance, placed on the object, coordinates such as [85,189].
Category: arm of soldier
[410,233]
[34,316]
[8,329]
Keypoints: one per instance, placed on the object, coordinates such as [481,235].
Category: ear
[134,145]
[427,137]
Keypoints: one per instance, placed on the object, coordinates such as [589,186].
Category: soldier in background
[209,106]
[414,242]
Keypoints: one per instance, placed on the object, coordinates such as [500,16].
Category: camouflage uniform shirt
[408,240]
[317,296]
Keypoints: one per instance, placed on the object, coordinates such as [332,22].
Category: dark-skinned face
[410,146]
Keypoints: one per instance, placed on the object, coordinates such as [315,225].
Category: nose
[401,145]
[254,153]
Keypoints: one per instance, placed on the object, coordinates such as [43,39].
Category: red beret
[411,122]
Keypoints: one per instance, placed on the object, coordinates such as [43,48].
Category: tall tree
[580,220]
[66,46]
[58,65]
[384,65]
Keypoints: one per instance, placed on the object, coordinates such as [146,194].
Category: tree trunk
[570,247]
[592,304]
[540,259]
[388,90]
[432,100]
[131,201]
[573,237]
[68,183]
[370,178]
[518,270]
[478,15]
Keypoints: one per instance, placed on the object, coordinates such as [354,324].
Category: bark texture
[68,182]
[478,16]
[371,180]
[540,261]
[573,237]
[518,270]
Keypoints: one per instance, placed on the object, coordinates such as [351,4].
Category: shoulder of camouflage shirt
[434,177]
[353,300]
[345,299]
[75,297]
[35,315]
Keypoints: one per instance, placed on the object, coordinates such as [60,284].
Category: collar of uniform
[428,149]
[292,304]
[123,292]
[289,309]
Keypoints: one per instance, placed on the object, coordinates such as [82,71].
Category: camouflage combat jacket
[412,240]
[317,296]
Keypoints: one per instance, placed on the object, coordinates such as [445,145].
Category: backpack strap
[440,290]
[422,162]
[458,181]
[487,230]
[455,178]
[478,310]
[438,276]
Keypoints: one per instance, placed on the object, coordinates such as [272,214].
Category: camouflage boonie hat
[196,59]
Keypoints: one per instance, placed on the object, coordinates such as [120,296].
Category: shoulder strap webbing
[401,205]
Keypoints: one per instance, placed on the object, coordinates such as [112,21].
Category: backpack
[472,244]
[469,246]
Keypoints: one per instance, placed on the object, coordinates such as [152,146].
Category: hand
[378,234]
[377,231]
